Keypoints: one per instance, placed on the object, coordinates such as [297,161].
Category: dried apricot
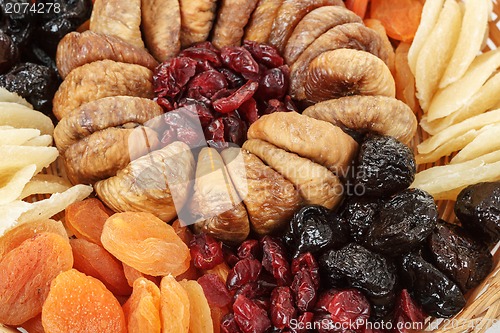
[399,17]
[14,237]
[86,219]
[81,303]
[26,273]
[146,243]
[34,325]
[142,310]
[200,320]
[94,260]
[174,308]
[132,274]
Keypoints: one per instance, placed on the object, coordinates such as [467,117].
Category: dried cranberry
[307,262]
[274,260]
[273,84]
[206,252]
[323,323]
[250,249]
[164,103]
[229,325]
[215,290]
[214,133]
[350,308]
[274,105]
[171,76]
[290,105]
[245,271]
[235,129]
[233,102]
[229,257]
[255,289]
[234,80]
[249,316]
[205,115]
[324,300]
[241,61]
[407,312]
[282,307]
[264,54]
[182,125]
[304,290]
[249,111]
[202,54]
[208,83]
[263,302]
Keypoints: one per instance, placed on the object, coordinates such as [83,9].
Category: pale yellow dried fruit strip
[7,96]
[200,320]
[20,116]
[451,98]
[486,142]
[12,183]
[436,52]
[45,184]
[474,24]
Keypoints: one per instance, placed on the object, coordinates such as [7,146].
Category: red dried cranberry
[234,80]
[206,252]
[264,54]
[164,103]
[273,84]
[263,302]
[274,105]
[208,83]
[407,312]
[304,290]
[171,76]
[229,257]
[235,129]
[274,260]
[202,54]
[250,249]
[350,308]
[307,262]
[249,316]
[282,307]
[304,323]
[249,111]
[233,102]
[214,133]
[169,136]
[290,105]
[324,300]
[245,271]
[241,61]
[215,290]
[229,325]
[323,323]
[205,115]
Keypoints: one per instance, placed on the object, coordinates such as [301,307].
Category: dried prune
[249,316]
[18,24]
[478,209]
[9,52]
[464,260]
[274,260]
[36,83]
[438,295]
[313,229]
[360,213]
[385,166]
[404,221]
[282,307]
[363,269]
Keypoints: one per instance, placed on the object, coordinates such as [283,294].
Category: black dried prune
[9,52]
[314,229]
[438,295]
[385,166]
[464,260]
[360,212]
[36,83]
[17,22]
[404,221]
[478,209]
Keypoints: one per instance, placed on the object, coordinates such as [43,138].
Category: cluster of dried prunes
[29,34]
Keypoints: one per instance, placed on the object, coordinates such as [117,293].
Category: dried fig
[261,23]
[100,79]
[161,22]
[317,140]
[378,114]
[290,14]
[269,198]
[315,183]
[217,207]
[118,18]
[347,72]
[148,183]
[313,25]
[349,36]
[232,18]
[77,49]
[103,113]
[197,18]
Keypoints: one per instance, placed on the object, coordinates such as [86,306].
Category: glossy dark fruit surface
[249,316]
[19,25]
[206,252]
[282,307]
[478,209]
[385,166]
[274,260]
[437,294]
[463,259]
[360,214]
[9,52]
[404,221]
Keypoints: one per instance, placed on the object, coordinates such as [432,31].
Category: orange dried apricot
[132,274]
[94,260]
[34,325]
[26,273]
[146,243]
[191,274]
[399,17]
[142,310]
[80,303]
[86,219]
[14,237]
[201,319]
[174,308]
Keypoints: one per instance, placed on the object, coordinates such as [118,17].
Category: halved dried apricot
[399,17]
[201,319]
[146,243]
[86,219]
[142,310]
[132,274]
[175,309]
[94,260]
[80,303]
[26,273]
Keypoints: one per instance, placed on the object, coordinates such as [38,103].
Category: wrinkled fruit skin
[438,295]
[244,272]
[464,260]
[249,316]
[407,312]
[206,252]
[274,260]
[282,307]
[350,308]
[385,166]
[405,220]
[360,214]
[478,209]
